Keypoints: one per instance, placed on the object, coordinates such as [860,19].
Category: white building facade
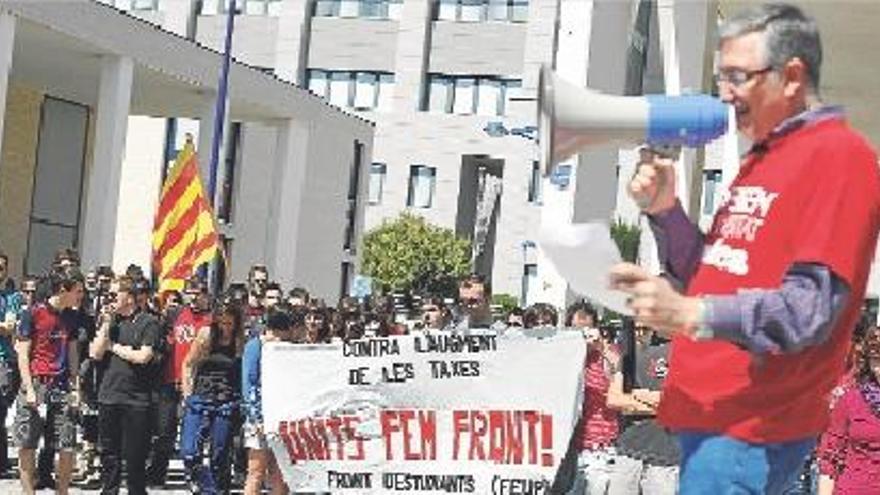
[94,103]
[451,86]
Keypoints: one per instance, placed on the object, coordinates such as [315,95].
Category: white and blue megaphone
[572,119]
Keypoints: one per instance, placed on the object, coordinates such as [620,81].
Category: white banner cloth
[478,412]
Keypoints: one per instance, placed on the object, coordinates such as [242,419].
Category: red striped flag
[184,233]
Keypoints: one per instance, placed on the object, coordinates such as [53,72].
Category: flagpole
[220,117]
[220,105]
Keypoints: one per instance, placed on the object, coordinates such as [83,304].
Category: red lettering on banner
[409,423]
[428,427]
[498,436]
[321,439]
[478,430]
[349,426]
[503,432]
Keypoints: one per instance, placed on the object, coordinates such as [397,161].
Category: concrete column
[7,39]
[140,185]
[596,178]
[411,59]
[687,33]
[285,201]
[111,124]
[592,49]
[292,45]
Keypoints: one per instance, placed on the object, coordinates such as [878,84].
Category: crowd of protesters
[104,372]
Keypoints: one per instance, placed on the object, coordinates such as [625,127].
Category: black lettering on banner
[358,376]
[371,348]
[398,373]
[454,369]
[519,486]
[455,343]
[337,479]
[410,482]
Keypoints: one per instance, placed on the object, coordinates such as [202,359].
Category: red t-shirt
[180,338]
[49,333]
[600,427]
[813,197]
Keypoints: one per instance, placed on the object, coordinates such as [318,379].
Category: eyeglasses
[430,309]
[739,77]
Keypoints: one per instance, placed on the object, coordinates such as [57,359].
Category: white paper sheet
[583,254]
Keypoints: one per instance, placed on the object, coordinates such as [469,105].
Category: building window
[354,181]
[421,186]
[57,182]
[378,172]
[347,274]
[366,9]
[135,5]
[482,10]
[464,97]
[711,181]
[469,95]
[529,284]
[358,90]
[247,7]
[536,184]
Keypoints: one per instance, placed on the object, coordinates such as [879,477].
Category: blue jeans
[720,465]
[207,421]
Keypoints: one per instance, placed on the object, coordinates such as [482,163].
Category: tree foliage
[627,237]
[409,254]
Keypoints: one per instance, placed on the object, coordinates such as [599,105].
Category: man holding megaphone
[773,291]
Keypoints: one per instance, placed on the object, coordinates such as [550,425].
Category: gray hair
[789,33]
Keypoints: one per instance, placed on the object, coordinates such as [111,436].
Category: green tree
[409,254]
[627,237]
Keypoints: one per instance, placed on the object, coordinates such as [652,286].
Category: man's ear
[796,77]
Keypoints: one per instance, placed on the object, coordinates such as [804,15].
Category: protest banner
[477,412]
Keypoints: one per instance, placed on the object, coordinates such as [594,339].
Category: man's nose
[726,93]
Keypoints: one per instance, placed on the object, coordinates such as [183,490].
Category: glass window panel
[473,10]
[519,10]
[378,172]
[498,10]
[376,9]
[255,7]
[536,184]
[530,284]
[488,96]
[440,94]
[386,92]
[349,8]
[327,8]
[144,4]
[711,178]
[447,10]
[210,7]
[509,89]
[340,87]
[273,7]
[394,9]
[365,90]
[421,186]
[464,96]
[44,240]
[318,82]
